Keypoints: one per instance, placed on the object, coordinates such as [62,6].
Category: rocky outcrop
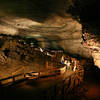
[17,52]
[91,40]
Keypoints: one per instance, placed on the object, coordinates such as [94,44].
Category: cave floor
[88,90]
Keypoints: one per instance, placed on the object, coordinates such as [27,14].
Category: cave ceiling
[72,25]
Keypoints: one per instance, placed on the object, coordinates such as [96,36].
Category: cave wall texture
[81,17]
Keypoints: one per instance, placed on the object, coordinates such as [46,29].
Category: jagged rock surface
[17,53]
[91,40]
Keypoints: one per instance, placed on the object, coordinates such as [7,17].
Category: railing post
[24,72]
[24,75]
[13,78]
[38,75]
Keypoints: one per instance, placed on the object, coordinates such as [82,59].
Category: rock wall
[62,21]
[54,22]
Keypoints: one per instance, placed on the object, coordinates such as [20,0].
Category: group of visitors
[68,62]
[71,64]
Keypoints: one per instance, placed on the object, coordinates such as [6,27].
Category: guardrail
[16,77]
[33,75]
[30,75]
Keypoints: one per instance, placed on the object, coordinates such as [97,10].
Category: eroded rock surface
[58,32]
[91,40]
[21,53]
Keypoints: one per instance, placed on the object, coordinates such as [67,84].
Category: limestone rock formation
[51,22]
[18,53]
[92,41]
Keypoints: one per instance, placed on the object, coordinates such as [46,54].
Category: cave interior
[49,24]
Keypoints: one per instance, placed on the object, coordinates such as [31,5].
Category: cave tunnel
[38,41]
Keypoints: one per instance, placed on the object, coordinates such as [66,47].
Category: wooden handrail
[11,77]
[22,68]
[14,76]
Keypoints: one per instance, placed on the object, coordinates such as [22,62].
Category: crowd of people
[70,63]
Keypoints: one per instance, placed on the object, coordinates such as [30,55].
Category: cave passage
[49,25]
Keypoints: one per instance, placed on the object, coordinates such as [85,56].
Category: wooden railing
[30,75]
[34,75]
[17,77]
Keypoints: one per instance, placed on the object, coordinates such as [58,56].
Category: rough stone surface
[92,41]
[65,33]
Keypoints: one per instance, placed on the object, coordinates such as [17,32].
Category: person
[62,60]
[75,64]
[68,65]
[41,49]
